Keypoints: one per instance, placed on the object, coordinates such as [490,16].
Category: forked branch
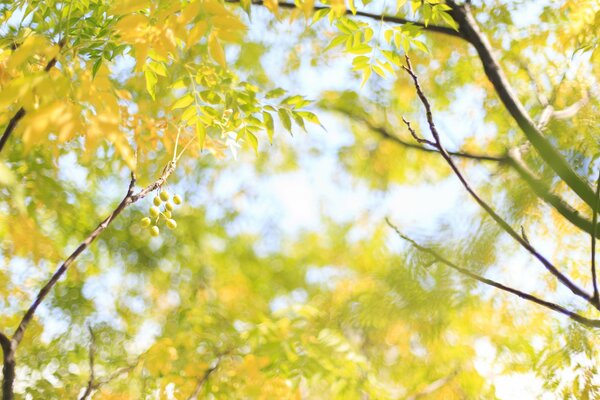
[566,281]
[13,343]
[594,323]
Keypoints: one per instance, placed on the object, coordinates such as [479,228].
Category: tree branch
[526,296]
[433,386]
[203,379]
[129,199]
[377,17]
[512,159]
[92,351]
[593,236]
[499,220]
[471,32]
[12,124]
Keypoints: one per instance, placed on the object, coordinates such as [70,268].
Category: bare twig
[524,295]
[512,159]
[203,379]
[130,198]
[91,381]
[499,220]
[469,29]
[433,386]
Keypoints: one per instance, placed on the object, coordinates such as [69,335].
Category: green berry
[157,201]
[164,195]
[168,214]
[154,211]
[146,222]
[154,231]
[177,199]
[171,224]
[169,206]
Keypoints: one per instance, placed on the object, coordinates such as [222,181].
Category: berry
[168,214]
[154,211]
[157,201]
[154,231]
[164,195]
[146,222]
[169,206]
[171,224]
[177,199]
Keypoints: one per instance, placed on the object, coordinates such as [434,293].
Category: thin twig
[524,295]
[203,379]
[433,386]
[129,199]
[470,30]
[499,220]
[92,352]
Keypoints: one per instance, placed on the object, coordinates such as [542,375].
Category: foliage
[168,96]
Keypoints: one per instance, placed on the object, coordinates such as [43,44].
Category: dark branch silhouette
[12,124]
[377,17]
[471,32]
[512,158]
[562,278]
[593,323]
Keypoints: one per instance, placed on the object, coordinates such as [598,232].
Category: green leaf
[286,121]
[310,117]
[188,113]
[365,77]
[96,67]
[183,102]
[298,119]
[272,94]
[253,140]
[200,134]
[158,68]
[269,125]
[151,81]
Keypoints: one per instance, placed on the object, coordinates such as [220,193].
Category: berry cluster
[156,213]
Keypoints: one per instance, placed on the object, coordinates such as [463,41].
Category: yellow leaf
[132,27]
[28,48]
[307,7]
[214,7]
[272,5]
[183,102]
[196,33]
[128,6]
[216,50]
[338,7]
[200,134]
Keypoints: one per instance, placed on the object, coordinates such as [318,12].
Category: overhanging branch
[471,32]
[511,159]
[562,278]
[593,323]
[377,17]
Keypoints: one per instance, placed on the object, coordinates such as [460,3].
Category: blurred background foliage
[282,279]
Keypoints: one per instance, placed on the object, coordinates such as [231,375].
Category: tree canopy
[275,199]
